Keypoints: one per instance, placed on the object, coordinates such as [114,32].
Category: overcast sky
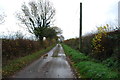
[95,13]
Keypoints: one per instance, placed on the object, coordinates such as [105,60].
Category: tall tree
[52,32]
[37,16]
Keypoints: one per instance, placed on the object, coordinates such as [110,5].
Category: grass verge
[86,66]
[18,64]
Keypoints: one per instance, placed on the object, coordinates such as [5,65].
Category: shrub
[15,48]
[97,42]
[101,45]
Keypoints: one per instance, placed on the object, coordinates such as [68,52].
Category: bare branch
[37,16]
[2,18]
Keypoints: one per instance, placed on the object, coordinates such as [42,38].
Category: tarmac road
[49,67]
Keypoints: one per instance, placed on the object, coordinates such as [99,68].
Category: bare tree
[37,16]
[2,18]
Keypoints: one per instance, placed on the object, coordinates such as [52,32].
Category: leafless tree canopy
[36,15]
[2,18]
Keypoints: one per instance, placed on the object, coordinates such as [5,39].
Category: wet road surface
[49,67]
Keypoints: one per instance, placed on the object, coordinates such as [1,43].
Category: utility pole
[80,32]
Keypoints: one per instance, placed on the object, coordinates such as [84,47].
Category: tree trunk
[41,41]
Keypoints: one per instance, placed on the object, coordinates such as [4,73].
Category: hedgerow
[87,67]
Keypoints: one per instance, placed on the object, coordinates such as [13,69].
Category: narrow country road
[49,67]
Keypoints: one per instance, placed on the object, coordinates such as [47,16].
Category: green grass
[95,70]
[112,63]
[18,64]
[75,55]
[86,66]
